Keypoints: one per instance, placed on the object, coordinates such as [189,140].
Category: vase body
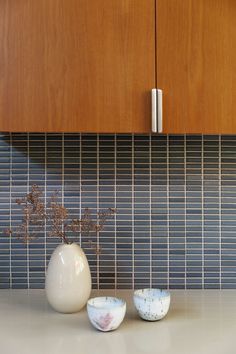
[68,279]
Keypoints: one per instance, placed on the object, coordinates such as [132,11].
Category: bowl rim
[163,293]
[119,302]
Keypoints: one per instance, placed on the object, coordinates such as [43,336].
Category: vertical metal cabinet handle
[154,110]
[157,125]
[159,110]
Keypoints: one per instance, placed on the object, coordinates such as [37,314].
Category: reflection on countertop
[199,321]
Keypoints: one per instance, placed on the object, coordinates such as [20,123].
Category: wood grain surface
[196,65]
[76,65]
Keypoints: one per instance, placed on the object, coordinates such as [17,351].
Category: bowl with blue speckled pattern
[151,304]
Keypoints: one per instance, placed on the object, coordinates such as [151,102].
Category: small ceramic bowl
[152,304]
[106,313]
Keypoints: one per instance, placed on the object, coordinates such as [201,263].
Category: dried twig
[36,214]
[33,217]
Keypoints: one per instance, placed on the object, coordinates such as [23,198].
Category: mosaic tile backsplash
[175,196]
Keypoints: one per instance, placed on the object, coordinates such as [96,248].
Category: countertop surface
[197,322]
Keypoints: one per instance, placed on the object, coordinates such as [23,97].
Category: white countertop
[198,322]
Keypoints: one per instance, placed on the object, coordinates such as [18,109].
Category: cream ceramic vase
[68,279]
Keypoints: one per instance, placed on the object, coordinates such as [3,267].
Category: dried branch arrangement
[36,215]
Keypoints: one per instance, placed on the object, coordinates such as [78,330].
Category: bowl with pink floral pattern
[106,313]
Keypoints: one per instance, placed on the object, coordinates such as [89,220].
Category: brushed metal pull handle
[154,110]
[159,111]
[157,121]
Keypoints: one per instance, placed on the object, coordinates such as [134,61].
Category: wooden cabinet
[76,65]
[90,65]
[196,65]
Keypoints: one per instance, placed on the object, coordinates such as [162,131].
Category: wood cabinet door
[76,65]
[196,65]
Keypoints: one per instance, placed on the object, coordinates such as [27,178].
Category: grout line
[168,212]
[185,216]
[132,186]
[28,181]
[147,169]
[220,210]
[10,216]
[62,172]
[202,174]
[98,206]
[150,205]
[63,167]
[45,201]
[115,200]
[80,185]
